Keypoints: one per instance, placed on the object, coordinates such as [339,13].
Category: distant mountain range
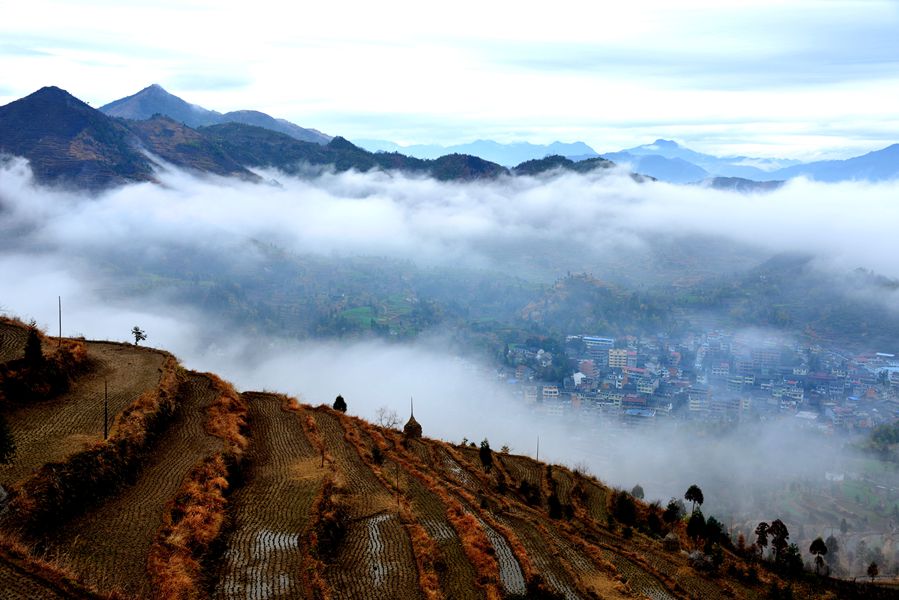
[69,143]
[666,160]
[154,100]
[507,155]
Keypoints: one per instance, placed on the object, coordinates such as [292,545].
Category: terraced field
[376,559]
[270,511]
[544,562]
[49,431]
[108,546]
[310,509]
[16,584]
[12,341]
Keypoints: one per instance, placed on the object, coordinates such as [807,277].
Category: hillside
[201,492]
[68,142]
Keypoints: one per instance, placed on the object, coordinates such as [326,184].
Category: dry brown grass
[228,416]
[327,527]
[42,576]
[194,519]
[191,523]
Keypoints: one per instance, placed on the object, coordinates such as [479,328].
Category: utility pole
[105,409]
[59,300]
[538,448]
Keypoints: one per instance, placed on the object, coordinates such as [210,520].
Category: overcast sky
[798,78]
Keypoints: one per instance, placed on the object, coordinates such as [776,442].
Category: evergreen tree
[339,403]
[694,495]
[696,525]
[637,492]
[674,511]
[819,549]
[34,356]
[761,539]
[486,455]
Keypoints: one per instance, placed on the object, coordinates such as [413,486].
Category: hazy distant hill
[507,155]
[670,161]
[155,100]
[67,141]
[185,147]
[674,170]
[738,184]
[879,165]
[260,119]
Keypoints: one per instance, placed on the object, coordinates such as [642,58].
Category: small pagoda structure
[412,430]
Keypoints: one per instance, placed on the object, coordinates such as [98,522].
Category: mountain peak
[341,143]
[50,93]
[665,143]
[154,88]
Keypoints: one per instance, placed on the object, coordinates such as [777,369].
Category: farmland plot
[582,567]
[543,561]
[524,469]
[687,578]
[18,585]
[637,578]
[455,472]
[270,511]
[564,484]
[375,559]
[12,341]
[50,430]
[458,579]
[510,574]
[108,546]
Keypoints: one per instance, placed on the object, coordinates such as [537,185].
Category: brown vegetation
[22,575]
[194,519]
[191,523]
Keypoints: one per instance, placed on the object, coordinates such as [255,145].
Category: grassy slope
[51,430]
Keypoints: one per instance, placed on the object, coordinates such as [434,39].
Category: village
[716,376]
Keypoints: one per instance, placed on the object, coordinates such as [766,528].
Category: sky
[793,79]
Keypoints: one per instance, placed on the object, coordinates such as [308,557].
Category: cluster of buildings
[713,376]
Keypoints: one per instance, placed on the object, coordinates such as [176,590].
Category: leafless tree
[386,417]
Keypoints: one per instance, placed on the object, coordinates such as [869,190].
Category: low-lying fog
[53,243]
